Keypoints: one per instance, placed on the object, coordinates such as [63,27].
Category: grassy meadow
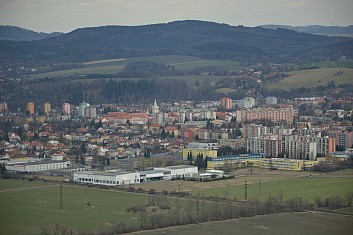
[314,78]
[261,184]
[277,224]
[27,207]
[113,66]
[36,204]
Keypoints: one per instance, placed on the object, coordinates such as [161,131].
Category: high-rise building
[343,138]
[226,103]
[266,114]
[3,107]
[46,107]
[66,108]
[269,146]
[295,147]
[82,107]
[90,112]
[30,107]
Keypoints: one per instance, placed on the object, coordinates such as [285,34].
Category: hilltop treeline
[196,38]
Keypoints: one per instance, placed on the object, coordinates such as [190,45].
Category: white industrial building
[107,178]
[36,166]
[127,178]
[178,172]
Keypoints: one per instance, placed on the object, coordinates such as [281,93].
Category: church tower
[155,108]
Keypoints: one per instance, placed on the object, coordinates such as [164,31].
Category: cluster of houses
[290,142]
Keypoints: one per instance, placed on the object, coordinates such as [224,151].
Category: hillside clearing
[314,78]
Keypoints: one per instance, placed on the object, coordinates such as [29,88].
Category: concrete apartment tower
[227,103]
[66,108]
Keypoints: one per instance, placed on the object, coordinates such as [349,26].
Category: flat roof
[180,167]
[37,162]
[102,173]
[153,172]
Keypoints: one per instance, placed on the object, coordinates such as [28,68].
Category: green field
[329,64]
[27,207]
[182,63]
[278,224]
[35,205]
[304,187]
[314,78]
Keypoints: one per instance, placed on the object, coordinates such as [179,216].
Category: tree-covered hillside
[196,38]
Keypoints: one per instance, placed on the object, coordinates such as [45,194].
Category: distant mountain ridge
[190,37]
[14,33]
[342,31]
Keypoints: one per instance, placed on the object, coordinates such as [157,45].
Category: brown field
[312,223]
[256,176]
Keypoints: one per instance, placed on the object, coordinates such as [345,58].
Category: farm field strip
[113,66]
[314,78]
[312,223]
[84,208]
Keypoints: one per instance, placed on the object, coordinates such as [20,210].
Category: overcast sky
[67,15]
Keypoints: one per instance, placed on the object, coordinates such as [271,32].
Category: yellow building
[245,160]
[237,161]
[46,107]
[195,152]
[30,107]
[286,164]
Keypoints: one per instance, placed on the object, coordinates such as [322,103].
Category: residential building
[226,103]
[271,100]
[90,112]
[268,146]
[82,107]
[233,143]
[4,107]
[66,109]
[30,108]
[46,107]
[265,114]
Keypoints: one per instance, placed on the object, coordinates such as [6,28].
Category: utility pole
[61,197]
[246,189]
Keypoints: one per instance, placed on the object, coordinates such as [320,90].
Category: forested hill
[14,33]
[196,38]
[343,31]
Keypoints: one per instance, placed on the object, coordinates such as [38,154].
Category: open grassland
[314,78]
[290,224]
[225,91]
[180,62]
[261,184]
[113,66]
[26,207]
[329,64]
[191,80]
[80,71]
